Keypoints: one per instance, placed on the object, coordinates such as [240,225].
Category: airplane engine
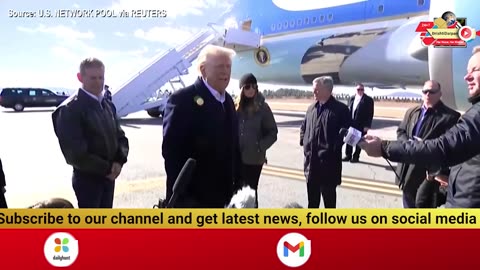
[397,56]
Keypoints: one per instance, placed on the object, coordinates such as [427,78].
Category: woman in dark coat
[257,131]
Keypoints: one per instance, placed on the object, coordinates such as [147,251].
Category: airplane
[290,42]
[371,41]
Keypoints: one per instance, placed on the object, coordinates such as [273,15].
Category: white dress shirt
[215,93]
[355,103]
[98,98]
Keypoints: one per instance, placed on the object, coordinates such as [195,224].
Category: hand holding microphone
[370,144]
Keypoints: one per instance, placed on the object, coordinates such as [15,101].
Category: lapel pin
[199,100]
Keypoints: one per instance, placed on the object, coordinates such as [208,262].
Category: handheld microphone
[182,181]
[351,136]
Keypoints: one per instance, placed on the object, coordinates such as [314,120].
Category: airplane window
[299,22]
[322,18]
[292,23]
[273,27]
[279,26]
[314,19]
[306,21]
[380,8]
[285,25]
[421,2]
[330,16]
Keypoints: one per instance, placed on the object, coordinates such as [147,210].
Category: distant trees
[303,94]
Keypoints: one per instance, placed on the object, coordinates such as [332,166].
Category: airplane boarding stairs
[142,92]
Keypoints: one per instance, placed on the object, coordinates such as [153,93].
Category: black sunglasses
[247,87]
[429,91]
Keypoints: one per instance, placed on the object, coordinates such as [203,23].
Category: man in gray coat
[322,144]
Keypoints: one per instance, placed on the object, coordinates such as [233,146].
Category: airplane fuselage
[371,41]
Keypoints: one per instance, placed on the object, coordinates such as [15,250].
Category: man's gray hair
[210,50]
[324,80]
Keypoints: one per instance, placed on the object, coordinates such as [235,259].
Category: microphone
[182,181]
[351,136]
[244,198]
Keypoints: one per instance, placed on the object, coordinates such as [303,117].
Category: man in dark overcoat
[426,121]
[200,123]
[322,144]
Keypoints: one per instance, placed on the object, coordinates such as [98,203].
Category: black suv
[21,98]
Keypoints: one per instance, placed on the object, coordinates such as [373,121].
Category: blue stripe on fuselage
[268,19]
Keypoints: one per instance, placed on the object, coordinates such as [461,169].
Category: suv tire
[18,107]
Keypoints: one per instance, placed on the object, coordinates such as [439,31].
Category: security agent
[458,147]
[107,93]
[361,110]
[91,138]
[426,121]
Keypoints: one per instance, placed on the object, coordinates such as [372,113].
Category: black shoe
[347,158]
[354,160]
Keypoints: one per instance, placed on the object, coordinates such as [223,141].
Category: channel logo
[294,249]
[61,249]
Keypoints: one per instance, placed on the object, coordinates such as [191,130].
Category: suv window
[32,93]
[12,92]
[46,93]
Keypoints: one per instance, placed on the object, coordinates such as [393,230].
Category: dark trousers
[93,192]
[316,191]
[3,201]
[408,200]
[430,195]
[250,175]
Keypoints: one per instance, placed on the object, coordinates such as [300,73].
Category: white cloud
[75,5]
[173,8]
[60,31]
[168,35]
[119,34]
[71,47]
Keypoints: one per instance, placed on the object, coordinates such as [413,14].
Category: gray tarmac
[36,170]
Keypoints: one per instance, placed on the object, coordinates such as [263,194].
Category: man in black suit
[107,93]
[361,110]
[200,123]
[3,201]
[91,138]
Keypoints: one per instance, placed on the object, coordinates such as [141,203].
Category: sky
[46,52]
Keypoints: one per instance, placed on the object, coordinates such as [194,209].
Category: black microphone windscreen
[343,132]
[184,176]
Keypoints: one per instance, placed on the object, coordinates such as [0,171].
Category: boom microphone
[182,181]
